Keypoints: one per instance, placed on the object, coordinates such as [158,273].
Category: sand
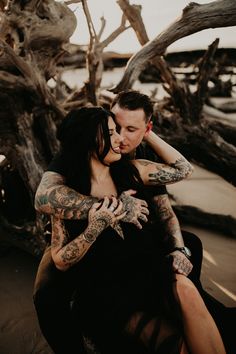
[20,333]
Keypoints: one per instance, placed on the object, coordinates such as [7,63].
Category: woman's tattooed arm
[153,173]
[66,253]
[54,197]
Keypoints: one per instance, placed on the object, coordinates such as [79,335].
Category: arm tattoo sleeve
[173,173]
[66,253]
[162,173]
[54,197]
[167,217]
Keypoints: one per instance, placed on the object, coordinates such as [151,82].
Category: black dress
[119,277]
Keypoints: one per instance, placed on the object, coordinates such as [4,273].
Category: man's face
[133,127]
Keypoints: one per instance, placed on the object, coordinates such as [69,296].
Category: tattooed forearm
[53,197]
[59,235]
[72,252]
[97,224]
[173,173]
[169,220]
[66,253]
[153,173]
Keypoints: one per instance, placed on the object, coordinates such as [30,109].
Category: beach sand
[20,333]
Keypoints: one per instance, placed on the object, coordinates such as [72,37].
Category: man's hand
[181,264]
[137,209]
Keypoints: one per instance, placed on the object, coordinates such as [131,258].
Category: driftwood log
[195,18]
[34,38]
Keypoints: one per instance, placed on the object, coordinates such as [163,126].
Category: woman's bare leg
[201,333]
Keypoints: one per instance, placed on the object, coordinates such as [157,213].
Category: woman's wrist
[90,236]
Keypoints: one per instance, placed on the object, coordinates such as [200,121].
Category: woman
[128,298]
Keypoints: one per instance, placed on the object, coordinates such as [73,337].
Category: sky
[157,16]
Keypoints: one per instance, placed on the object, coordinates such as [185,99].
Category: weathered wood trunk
[32,36]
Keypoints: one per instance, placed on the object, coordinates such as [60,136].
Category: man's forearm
[173,236]
[167,152]
[168,219]
[172,229]
[55,198]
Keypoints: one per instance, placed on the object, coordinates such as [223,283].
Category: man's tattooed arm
[153,173]
[173,236]
[167,217]
[54,197]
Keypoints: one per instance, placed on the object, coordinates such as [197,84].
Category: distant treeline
[225,56]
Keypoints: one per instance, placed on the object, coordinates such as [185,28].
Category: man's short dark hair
[132,100]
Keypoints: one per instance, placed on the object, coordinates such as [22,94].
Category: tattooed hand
[135,208]
[181,263]
[102,215]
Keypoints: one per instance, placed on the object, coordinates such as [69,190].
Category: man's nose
[122,134]
[119,137]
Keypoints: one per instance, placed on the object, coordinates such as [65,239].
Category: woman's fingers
[118,211]
[119,207]
[108,206]
[113,205]
[106,202]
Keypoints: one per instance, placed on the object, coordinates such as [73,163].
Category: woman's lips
[117,149]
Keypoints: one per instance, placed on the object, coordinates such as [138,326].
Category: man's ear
[149,127]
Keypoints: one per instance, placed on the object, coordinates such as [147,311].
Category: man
[133,112]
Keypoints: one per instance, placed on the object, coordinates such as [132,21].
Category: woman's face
[114,152]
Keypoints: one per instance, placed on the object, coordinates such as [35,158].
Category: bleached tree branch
[195,18]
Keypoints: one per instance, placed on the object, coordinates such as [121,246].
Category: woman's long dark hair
[83,132]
